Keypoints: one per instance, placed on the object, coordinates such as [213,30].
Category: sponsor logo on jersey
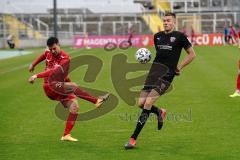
[172,39]
[59,85]
[165,47]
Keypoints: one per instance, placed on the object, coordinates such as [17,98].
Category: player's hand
[32,79]
[177,71]
[31,68]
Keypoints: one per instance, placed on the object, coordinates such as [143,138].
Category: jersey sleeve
[44,74]
[185,42]
[67,79]
[39,59]
[59,69]
[65,63]
[155,41]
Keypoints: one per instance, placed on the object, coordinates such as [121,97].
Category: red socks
[84,95]
[70,123]
[238,82]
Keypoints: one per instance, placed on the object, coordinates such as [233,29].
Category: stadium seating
[19,29]
[94,24]
[154,22]
[117,20]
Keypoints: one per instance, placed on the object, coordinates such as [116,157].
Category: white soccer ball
[143,55]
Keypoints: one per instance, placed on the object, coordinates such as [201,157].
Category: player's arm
[40,75]
[38,60]
[62,67]
[190,53]
[187,60]
[63,62]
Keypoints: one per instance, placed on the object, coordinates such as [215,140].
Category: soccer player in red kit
[57,84]
[130,35]
[237,91]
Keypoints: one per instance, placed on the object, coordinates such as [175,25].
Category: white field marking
[11,54]
[23,66]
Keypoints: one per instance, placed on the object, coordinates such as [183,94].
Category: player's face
[168,23]
[54,49]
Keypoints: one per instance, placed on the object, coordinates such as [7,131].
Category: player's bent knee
[149,102]
[141,103]
[141,106]
[74,109]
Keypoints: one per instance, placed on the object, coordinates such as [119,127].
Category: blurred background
[29,23]
[202,120]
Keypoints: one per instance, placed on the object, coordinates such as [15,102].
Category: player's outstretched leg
[102,99]
[160,113]
[149,101]
[73,107]
[73,87]
[161,117]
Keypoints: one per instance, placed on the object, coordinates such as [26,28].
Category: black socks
[141,122]
[155,110]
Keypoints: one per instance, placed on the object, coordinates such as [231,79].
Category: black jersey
[168,48]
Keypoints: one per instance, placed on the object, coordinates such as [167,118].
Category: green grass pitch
[202,122]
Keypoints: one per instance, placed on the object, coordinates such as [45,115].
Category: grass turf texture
[202,123]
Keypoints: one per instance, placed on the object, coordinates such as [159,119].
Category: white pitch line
[23,66]
[14,69]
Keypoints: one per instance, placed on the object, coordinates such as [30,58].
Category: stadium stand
[205,16]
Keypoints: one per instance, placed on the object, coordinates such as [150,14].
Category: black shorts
[159,78]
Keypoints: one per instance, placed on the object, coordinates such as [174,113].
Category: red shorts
[56,91]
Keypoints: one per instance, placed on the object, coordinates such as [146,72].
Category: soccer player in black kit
[168,45]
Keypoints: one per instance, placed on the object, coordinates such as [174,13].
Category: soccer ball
[143,55]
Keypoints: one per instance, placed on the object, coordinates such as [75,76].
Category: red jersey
[130,35]
[56,68]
